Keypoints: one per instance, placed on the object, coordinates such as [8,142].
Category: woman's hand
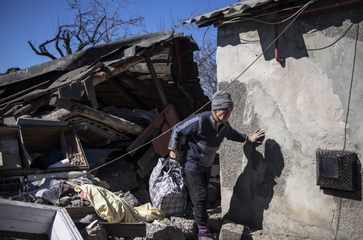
[174,154]
[256,136]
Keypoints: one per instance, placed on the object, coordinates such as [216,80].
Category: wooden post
[90,90]
[156,80]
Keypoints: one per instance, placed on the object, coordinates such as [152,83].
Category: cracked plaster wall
[301,106]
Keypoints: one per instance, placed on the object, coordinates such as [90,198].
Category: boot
[204,234]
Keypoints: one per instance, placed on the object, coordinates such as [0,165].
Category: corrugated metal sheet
[229,10]
[126,49]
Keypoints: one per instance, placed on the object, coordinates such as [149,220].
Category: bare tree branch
[92,24]
[205,57]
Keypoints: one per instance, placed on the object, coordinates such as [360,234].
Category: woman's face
[224,114]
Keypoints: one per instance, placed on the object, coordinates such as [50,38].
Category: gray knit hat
[221,100]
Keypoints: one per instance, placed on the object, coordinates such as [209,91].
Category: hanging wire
[257,20]
[269,23]
[350,89]
[345,126]
[105,164]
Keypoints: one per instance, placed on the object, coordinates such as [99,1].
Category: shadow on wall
[254,187]
[291,44]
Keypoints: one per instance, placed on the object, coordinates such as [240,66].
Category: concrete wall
[302,106]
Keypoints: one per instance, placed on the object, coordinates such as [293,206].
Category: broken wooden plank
[144,160]
[72,91]
[163,77]
[159,68]
[22,92]
[156,80]
[90,90]
[80,210]
[65,92]
[179,79]
[83,110]
[149,167]
[63,144]
[170,120]
[76,90]
[71,143]
[32,106]
[60,114]
[120,67]
[6,108]
[128,230]
[91,71]
[158,121]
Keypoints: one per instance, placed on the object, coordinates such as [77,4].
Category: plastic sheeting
[114,209]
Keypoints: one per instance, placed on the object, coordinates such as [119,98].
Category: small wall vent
[336,169]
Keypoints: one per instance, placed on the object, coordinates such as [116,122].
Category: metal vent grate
[13,184]
[336,169]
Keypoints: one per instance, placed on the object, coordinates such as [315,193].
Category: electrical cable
[105,164]
[350,89]
[252,19]
[300,11]
[269,23]
[207,57]
[345,125]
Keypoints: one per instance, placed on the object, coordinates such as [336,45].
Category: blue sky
[35,21]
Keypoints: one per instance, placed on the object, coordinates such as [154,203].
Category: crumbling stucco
[302,106]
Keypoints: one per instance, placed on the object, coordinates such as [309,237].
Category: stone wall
[314,100]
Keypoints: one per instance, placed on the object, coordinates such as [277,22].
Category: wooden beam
[149,167]
[144,160]
[37,103]
[180,82]
[6,108]
[121,89]
[22,92]
[72,91]
[90,71]
[119,68]
[80,210]
[90,90]
[126,230]
[161,93]
[64,144]
[112,121]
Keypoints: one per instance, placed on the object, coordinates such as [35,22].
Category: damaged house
[117,94]
[293,69]
[112,98]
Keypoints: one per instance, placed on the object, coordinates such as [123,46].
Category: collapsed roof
[145,72]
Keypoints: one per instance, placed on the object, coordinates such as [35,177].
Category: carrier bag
[166,187]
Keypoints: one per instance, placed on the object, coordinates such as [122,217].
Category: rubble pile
[61,193]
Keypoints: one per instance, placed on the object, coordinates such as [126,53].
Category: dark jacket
[202,140]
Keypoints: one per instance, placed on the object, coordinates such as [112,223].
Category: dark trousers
[197,184]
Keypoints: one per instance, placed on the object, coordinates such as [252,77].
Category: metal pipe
[281,60]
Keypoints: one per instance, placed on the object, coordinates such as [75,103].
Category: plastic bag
[166,187]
